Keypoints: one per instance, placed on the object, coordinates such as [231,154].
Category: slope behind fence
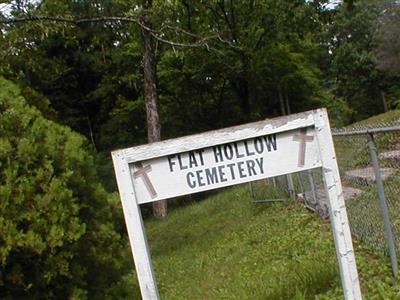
[364,198]
[375,192]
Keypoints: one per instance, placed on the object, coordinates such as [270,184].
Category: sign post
[228,157]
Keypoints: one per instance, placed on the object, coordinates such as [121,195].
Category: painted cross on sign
[227,157]
[303,138]
[223,165]
[141,172]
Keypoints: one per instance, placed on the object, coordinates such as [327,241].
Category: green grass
[352,151]
[365,214]
[229,248]
[387,117]
[226,247]
[364,211]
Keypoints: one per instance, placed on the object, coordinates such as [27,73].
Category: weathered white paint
[135,228]
[224,165]
[218,137]
[337,208]
[153,172]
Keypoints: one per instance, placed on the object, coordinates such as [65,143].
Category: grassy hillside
[387,117]
[353,153]
[226,247]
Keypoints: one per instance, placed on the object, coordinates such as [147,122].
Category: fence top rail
[364,130]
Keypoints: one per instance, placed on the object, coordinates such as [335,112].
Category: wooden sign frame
[135,186]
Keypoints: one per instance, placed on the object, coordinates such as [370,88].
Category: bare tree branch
[201,43]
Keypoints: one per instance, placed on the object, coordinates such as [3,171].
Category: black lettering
[221,172]
[192,160]
[259,162]
[270,140]
[200,152]
[211,175]
[183,167]
[230,166]
[258,145]
[170,162]
[248,152]
[191,183]
[238,155]
[217,154]
[200,178]
[250,167]
[241,170]
[228,151]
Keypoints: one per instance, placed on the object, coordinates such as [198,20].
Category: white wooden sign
[227,157]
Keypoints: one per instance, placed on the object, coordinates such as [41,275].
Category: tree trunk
[287,103]
[383,97]
[281,100]
[151,97]
[240,86]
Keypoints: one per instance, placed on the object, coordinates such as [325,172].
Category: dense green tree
[388,52]
[219,63]
[81,69]
[215,63]
[265,56]
[255,59]
[58,237]
[353,70]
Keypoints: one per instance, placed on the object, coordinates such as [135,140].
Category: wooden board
[226,157]
[225,164]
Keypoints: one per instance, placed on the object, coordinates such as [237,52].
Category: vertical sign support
[337,209]
[135,227]
[137,186]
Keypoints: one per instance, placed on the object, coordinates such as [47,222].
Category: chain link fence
[374,209]
[312,192]
[271,189]
[364,196]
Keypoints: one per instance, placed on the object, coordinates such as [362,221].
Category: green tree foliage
[262,55]
[262,59]
[388,51]
[58,238]
[268,53]
[88,72]
[353,69]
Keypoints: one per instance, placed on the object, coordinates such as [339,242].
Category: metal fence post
[252,191]
[382,203]
[312,185]
[291,189]
[302,189]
